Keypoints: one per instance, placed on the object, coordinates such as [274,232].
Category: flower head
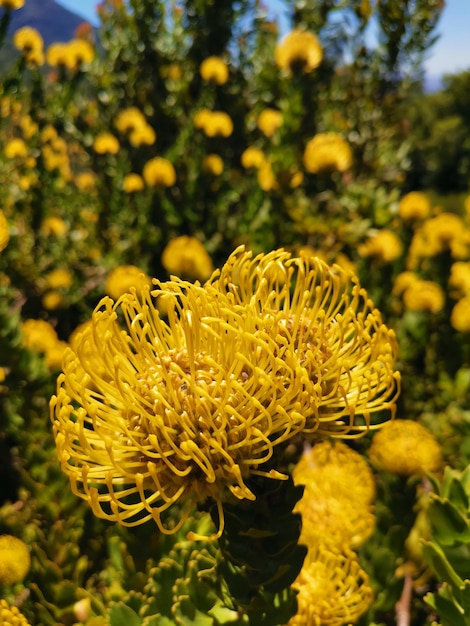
[187,257]
[132,182]
[16,148]
[4,231]
[327,151]
[11,4]
[214,69]
[414,205]
[405,447]
[30,43]
[159,172]
[123,278]
[424,295]
[214,123]
[336,505]
[460,315]
[106,143]
[14,560]
[252,157]
[11,616]
[150,412]
[299,50]
[333,589]
[213,164]
[269,120]
[385,246]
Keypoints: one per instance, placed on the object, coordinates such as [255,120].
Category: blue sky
[451,53]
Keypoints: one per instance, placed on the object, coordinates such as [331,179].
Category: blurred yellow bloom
[405,447]
[266,178]
[252,157]
[213,123]
[52,300]
[143,135]
[55,354]
[48,133]
[333,589]
[132,182]
[59,278]
[10,615]
[269,120]
[327,151]
[4,231]
[85,181]
[14,561]
[30,43]
[337,503]
[79,52]
[299,50]
[214,69]
[187,257]
[11,4]
[385,246]
[460,315]
[460,278]
[424,295]
[123,278]
[106,143]
[16,149]
[414,205]
[53,226]
[159,172]
[213,164]
[129,119]
[28,127]
[38,335]
[188,409]
[403,281]
[446,231]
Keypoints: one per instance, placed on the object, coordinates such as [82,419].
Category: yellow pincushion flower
[85,181]
[30,43]
[186,410]
[59,278]
[415,205]
[129,119]
[460,278]
[266,177]
[159,172]
[11,4]
[79,52]
[385,246]
[327,151]
[333,589]
[16,149]
[403,281]
[53,226]
[252,157]
[123,278]
[213,123]
[299,50]
[405,447]
[132,183]
[38,335]
[4,231]
[424,295]
[53,300]
[11,616]
[336,505]
[187,257]
[460,315]
[213,164]
[14,560]
[269,120]
[446,231]
[106,143]
[142,136]
[214,69]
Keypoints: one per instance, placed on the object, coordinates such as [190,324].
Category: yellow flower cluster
[384,246]
[419,294]
[213,123]
[133,121]
[159,172]
[15,561]
[445,231]
[4,231]
[72,55]
[187,409]
[30,43]
[337,515]
[39,336]
[405,447]
[299,50]
[327,152]
[269,121]
[214,69]
[123,279]
[11,616]
[106,143]
[187,257]
[414,206]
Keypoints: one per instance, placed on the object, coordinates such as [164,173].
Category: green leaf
[437,560]
[122,615]
[447,523]
[449,613]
